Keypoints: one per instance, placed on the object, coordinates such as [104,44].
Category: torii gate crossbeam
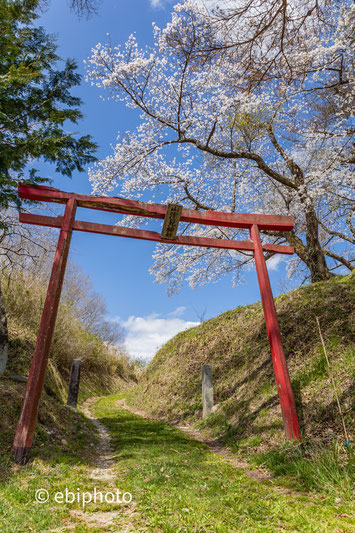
[67,223]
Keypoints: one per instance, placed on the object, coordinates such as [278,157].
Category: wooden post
[4,337]
[207,390]
[28,416]
[73,389]
[284,389]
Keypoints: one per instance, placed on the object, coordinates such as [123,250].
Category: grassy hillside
[103,369]
[236,345]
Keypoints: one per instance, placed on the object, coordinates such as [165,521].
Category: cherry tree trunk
[315,258]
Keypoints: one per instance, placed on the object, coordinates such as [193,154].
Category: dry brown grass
[104,368]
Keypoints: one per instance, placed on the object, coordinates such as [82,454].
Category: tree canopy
[36,104]
[247,108]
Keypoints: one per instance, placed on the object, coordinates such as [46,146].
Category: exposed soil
[103,471]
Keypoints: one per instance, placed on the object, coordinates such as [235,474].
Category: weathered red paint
[67,223]
[284,389]
[27,421]
[105,229]
[131,207]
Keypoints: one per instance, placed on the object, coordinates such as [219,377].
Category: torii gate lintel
[67,223]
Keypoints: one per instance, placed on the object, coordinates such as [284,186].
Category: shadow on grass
[131,432]
[154,447]
[62,436]
[239,352]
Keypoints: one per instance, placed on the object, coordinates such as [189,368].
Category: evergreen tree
[35,103]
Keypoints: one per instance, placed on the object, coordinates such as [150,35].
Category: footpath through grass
[180,486]
[176,483]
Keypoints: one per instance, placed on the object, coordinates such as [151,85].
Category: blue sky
[119,267]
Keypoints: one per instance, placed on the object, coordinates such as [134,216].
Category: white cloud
[179,311]
[274,261]
[145,335]
[159,3]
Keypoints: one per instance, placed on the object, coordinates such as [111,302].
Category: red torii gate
[171,214]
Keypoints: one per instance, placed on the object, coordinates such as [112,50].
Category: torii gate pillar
[67,223]
[284,390]
[27,421]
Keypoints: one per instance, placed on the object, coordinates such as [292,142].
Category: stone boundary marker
[207,390]
[73,390]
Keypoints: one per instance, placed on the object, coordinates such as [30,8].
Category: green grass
[179,485]
[329,470]
[19,512]
[54,466]
[248,418]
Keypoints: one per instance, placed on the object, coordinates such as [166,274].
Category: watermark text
[115,496]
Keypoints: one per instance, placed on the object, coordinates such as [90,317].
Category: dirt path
[179,480]
[106,452]
[103,471]
[105,462]
[218,448]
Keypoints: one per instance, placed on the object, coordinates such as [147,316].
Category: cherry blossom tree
[244,109]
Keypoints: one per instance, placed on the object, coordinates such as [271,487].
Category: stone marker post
[207,390]
[74,383]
